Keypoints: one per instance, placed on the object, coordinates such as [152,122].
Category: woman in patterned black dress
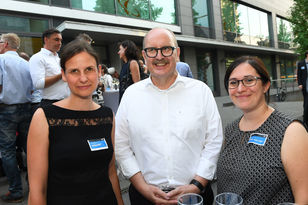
[265,157]
[70,143]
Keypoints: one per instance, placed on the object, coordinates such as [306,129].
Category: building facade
[210,33]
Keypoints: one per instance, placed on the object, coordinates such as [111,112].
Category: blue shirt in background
[184,69]
[15,79]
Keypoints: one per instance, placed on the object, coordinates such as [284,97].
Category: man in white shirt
[168,129]
[46,71]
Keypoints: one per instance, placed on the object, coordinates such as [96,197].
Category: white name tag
[97,144]
[258,139]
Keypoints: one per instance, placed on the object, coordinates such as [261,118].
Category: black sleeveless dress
[77,175]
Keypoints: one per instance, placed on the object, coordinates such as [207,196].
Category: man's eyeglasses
[1,41]
[166,51]
[248,81]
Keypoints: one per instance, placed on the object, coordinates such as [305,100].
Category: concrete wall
[218,30]
[185,17]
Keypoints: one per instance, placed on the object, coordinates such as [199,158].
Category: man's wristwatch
[197,184]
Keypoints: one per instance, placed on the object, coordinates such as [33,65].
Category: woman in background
[130,72]
[70,143]
[265,155]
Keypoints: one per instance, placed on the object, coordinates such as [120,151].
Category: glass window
[103,6]
[30,45]
[200,13]
[243,24]
[287,68]
[62,3]
[16,24]
[40,1]
[205,68]
[285,34]
[163,11]
[133,8]
[201,18]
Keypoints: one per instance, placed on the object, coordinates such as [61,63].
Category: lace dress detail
[79,122]
[76,174]
[254,171]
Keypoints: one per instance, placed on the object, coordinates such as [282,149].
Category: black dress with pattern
[77,175]
[253,171]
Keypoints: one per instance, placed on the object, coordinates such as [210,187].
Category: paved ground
[292,106]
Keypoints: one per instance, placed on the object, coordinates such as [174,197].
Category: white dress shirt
[106,79]
[169,135]
[45,64]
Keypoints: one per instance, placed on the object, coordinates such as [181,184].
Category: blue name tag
[97,144]
[303,67]
[258,139]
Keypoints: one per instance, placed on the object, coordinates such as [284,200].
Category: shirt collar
[48,52]
[178,81]
[12,53]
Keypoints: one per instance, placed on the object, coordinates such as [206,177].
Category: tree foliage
[230,16]
[299,19]
[132,8]
[283,34]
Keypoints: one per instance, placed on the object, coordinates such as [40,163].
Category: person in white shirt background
[176,150]
[46,71]
[106,79]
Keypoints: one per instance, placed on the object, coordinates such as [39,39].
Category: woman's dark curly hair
[131,52]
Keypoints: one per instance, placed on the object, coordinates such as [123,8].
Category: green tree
[137,9]
[105,6]
[299,19]
[230,16]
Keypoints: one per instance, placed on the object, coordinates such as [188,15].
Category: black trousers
[137,199]
[305,107]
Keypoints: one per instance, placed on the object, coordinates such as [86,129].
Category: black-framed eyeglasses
[247,81]
[166,51]
[1,41]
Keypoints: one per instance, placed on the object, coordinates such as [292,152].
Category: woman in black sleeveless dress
[130,72]
[70,143]
[264,157]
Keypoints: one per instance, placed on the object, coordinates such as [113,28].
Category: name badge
[258,139]
[97,144]
[303,68]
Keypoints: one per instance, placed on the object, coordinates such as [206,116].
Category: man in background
[46,71]
[183,69]
[84,37]
[15,110]
[302,69]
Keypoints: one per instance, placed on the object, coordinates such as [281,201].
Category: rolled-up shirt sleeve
[37,71]
[213,140]
[123,151]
